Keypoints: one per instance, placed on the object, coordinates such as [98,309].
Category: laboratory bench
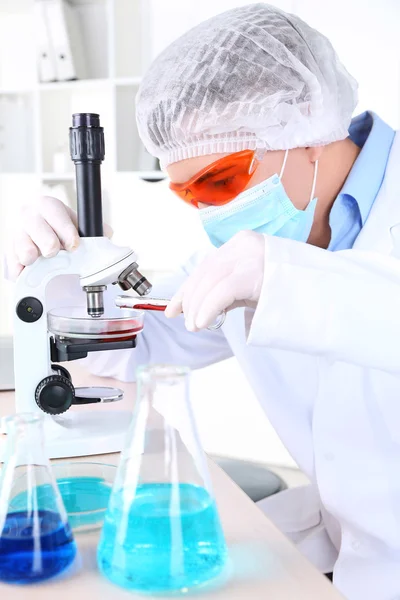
[263,563]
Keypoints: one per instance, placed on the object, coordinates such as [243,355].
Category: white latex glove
[44,228]
[229,277]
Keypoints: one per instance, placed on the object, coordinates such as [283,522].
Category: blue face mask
[264,208]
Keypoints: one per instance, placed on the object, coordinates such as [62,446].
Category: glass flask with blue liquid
[36,542]
[162,531]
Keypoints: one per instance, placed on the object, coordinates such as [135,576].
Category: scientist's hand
[44,228]
[229,277]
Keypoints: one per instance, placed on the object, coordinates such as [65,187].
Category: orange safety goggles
[220,182]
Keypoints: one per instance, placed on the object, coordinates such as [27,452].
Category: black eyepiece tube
[86,142]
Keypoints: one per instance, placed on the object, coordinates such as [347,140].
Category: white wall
[173,18]
[365,35]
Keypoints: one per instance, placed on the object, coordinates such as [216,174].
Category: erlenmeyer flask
[36,542]
[162,531]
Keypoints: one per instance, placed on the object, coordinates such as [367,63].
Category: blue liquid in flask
[34,547]
[162,550]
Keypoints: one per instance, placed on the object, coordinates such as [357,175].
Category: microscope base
[85,433]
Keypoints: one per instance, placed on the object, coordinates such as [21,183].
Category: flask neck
[163,395]
[25,439]
[163,445]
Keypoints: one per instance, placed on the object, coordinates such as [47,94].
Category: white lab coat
[319,312]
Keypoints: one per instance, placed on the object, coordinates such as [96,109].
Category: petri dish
[74,322]
[85,488]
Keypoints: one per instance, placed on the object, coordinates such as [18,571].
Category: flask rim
[162,371]
[21,419]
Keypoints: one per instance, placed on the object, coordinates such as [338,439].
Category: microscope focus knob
[55,394]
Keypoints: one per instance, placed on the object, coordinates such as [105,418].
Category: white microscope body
[42,385]
[96,262]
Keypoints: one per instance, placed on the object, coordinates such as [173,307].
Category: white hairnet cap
[252,77]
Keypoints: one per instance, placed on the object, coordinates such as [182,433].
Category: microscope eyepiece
[85,120]
[86,140]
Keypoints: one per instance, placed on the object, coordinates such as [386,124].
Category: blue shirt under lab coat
[354,202]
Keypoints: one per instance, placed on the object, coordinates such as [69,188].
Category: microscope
[43,338]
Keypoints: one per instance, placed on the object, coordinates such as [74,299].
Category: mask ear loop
[259,154]
[284,164]
[314,183]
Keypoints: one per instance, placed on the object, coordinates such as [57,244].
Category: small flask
[36,542]
[162,532]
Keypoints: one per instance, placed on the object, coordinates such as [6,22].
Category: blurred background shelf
[58,176]
[115,38]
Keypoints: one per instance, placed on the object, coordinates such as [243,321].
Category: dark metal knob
[55,394]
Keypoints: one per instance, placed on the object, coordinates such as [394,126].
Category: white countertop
[264,564]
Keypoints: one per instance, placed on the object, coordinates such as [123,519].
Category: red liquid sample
[160,307]
[122,334]
[117,338]
[125,335]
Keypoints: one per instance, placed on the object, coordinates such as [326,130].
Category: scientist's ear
[314,153]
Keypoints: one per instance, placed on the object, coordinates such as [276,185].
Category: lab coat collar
[383,223]
[372,134]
